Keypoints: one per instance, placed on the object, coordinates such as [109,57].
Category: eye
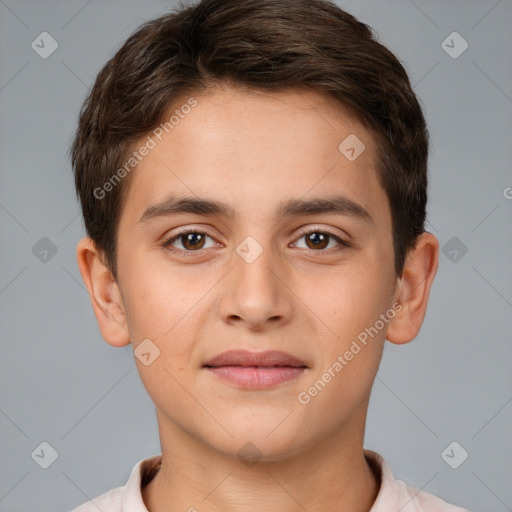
[191,241]
[317,240]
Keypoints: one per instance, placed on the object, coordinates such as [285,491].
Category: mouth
[255,370]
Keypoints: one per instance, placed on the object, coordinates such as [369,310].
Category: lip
[255,370]
[248,358]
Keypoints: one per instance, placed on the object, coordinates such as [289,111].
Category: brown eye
[191,241]
[317,240]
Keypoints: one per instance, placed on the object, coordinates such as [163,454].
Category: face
[258,277]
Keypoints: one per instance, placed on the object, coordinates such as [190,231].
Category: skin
[252,150]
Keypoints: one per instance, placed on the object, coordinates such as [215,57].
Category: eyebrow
[175,205]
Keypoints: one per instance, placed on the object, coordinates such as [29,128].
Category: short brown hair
[267,45]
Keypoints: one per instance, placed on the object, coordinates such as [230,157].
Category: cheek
[351,348]
[159,298]
[351,301]
[163,308]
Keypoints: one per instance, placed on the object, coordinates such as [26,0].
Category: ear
[104,292]
[414,288]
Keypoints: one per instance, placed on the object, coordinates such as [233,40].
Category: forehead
[252,150]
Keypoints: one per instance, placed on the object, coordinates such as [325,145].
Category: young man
[253,179]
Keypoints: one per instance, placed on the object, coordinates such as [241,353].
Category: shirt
[393,496]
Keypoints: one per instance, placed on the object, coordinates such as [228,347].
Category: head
[304,151]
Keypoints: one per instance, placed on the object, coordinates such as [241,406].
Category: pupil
[191,237]
[318,239]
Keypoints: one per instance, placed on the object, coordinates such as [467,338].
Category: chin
[260,442]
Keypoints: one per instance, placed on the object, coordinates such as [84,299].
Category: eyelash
[168,243]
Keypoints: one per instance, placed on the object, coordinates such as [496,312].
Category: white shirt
[394,495]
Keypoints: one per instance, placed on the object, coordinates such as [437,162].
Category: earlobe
[414,288]
[104,294]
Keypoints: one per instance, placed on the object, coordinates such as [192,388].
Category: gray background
[61,383]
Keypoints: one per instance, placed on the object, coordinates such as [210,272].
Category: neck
[331,475]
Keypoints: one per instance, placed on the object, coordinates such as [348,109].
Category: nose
[255,293]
